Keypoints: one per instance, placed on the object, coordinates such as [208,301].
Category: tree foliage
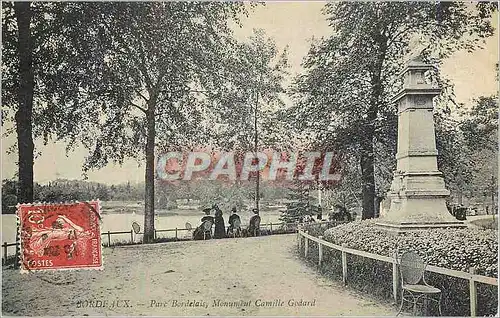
[245,109]
[343,99]
[126,73]
[468,148]
[300,203]
[253,89]
[204,192]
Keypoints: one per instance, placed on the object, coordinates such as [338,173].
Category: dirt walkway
[251,276]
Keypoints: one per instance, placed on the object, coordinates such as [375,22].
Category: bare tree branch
[139,107]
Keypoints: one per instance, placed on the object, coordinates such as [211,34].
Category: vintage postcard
[229,158]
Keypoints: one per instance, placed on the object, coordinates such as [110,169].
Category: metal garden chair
[414,287]
[189,229]
[237,228]
[207,230]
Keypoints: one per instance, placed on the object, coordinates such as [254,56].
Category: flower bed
[457,249]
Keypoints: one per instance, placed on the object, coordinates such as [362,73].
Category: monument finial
[417,60]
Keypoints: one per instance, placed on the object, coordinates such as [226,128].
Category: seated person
[254,226]
[207,216]
[201,231]
[232,219]
[340,213]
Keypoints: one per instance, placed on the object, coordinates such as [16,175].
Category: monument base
[416,210]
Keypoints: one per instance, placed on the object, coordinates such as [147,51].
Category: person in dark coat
[232,218]
[220,228]
[320,213]
[207,216]
[254,226]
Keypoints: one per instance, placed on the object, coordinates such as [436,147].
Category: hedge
[457,249]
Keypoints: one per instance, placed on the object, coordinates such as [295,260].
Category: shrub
[318,229]
[10,260]
[9,202]
[490,223]
[457,249]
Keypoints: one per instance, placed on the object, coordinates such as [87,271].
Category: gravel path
[249,276]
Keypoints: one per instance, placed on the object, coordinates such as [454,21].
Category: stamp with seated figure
[60,236]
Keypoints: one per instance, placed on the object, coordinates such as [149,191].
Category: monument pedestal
[418,193]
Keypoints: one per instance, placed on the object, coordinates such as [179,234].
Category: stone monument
[417,195]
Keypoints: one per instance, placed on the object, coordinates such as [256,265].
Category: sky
[288,23]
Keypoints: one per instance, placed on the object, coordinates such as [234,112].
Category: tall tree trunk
[460,186]
[256,149]
[24,114]
[378,200]
[367,148]
[149,199]
[367,158]
[493,190]
[368,179]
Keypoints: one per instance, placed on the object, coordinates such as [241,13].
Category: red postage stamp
[60,236]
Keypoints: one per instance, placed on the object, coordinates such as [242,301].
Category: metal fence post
[17,259]
[306,246]
[4,259]
[132,236]
[175,233]
[299,236]
[395,278]
[109,238]
[320,251]
[473,294]
[344,265]
[271,228]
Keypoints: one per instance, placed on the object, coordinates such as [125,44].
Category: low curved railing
[471,276]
